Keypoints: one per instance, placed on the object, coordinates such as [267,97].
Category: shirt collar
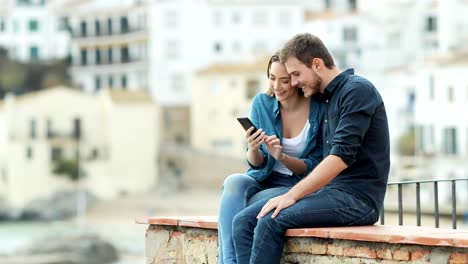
[276,108]
[331,87]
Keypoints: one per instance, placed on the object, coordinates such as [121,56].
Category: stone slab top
[418,235]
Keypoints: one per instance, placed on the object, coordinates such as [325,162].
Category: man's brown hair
[306,47]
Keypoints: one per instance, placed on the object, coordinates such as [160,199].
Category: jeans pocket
[368,219]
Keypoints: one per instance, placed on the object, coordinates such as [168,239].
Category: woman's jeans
[239,191]
[262,240]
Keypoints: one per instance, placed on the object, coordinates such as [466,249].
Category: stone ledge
[377,233]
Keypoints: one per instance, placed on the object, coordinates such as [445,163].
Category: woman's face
[280,82]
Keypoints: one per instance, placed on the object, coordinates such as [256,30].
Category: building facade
[27,28]
[113,136]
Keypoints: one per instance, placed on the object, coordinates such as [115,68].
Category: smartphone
[246,123]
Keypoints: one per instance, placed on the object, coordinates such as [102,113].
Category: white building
[32,30]
[113,134]
[109,44]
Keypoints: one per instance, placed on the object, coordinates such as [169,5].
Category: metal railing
[418,200]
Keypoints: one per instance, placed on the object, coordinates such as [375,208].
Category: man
[348,186]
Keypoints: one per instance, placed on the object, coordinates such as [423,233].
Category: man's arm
[324,173]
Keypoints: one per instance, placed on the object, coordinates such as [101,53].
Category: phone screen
[246,123]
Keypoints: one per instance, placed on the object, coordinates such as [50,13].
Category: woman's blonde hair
[276,58]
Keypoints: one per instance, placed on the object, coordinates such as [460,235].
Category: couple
[319,158]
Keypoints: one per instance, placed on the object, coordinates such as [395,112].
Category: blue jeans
[262,241]
[240,191]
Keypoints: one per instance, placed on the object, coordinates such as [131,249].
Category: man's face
[303,77]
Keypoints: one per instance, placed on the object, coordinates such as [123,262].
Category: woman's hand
[274,147]
[255,140]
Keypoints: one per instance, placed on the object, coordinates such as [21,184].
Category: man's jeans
[262,241]
[239,191]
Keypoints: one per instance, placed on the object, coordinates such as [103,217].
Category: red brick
[401,255]
[458,258]
[334,250]
[384,254]
[364,252]
[419,254]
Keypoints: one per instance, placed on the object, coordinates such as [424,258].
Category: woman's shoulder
[263,99]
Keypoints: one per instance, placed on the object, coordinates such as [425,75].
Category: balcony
[111,39]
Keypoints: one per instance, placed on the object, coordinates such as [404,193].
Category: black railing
[418,200]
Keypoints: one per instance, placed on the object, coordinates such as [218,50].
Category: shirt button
[327,141]
[326,101]
[326,120]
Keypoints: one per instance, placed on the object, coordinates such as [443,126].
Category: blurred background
[112,110]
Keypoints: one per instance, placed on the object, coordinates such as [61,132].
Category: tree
[406,145]
[69,168]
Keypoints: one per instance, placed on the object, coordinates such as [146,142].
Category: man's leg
[266,236]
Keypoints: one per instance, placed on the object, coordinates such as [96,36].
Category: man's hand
[278,203]
[274,147]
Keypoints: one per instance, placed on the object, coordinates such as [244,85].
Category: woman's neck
[292,104]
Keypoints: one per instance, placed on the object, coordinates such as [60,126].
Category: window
[327,4]
[124,54]
[252,88]
[83,28]
[64,24]
[236,17]
[259,46]
[16,26]
[450,92]
[97,28]
[431,87]
[2,25]
[32,128]
[77,128]
[110,81]
[97,53]
[450,141]
[83,57]
[236,47]
[177,82]
[124,81]
[260,18]
[352,5]
[55,153]
[350,34]
[171,19]
[97,83]
[49,132]
[218,48]
[431,24]
[172,49]
[33,25]
[29,153]
[109,55]
[34,53]
[109,26]
[284,18]
[217,18]
[124,26]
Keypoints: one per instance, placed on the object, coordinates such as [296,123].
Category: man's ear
[317,63]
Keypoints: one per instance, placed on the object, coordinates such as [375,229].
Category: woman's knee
[235,183]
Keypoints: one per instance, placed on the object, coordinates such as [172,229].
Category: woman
[283,150]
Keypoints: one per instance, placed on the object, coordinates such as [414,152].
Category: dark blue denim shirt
[265,114]
[355,128]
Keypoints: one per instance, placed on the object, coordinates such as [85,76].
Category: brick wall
[178,244]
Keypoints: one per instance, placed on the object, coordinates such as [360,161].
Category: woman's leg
[237,189]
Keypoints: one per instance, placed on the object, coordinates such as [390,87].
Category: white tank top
[294,148]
